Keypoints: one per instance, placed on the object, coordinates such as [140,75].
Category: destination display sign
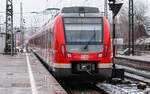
[82,20]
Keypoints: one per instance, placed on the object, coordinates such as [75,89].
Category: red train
[74,42]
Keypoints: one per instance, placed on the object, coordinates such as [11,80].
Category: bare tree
[139,22]
[122,31]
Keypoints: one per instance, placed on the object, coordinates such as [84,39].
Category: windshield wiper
[86,46]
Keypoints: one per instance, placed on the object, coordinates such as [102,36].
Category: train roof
[72,12]
[80,10]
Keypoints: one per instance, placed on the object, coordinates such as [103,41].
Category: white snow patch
[122,89]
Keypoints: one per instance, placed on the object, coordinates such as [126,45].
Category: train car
[75,42]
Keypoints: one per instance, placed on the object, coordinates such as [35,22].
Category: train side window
[40,38]
[50,40]
[42,41]
[44,36]
[46,39]
[39,41]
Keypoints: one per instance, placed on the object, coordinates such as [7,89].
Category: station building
[2,41]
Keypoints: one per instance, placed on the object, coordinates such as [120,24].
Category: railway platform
[137,62]
[24,74]
[144,58]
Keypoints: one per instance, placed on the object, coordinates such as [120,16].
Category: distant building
[2,41]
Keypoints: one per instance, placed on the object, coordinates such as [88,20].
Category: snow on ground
[122,89]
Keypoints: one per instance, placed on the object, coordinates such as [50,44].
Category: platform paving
[15,77]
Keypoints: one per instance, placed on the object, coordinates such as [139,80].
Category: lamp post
[131,27]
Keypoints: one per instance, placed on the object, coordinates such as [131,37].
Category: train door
[44,46]
[47,54]
[40,39]
[51,48]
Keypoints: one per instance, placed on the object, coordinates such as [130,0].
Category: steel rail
[141,61]
[136,74]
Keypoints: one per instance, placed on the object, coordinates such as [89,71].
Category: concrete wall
[2,42]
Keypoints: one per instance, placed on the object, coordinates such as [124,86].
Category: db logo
[84,57]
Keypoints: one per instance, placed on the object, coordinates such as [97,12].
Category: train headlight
[100,55]
[69,55]
[82,15]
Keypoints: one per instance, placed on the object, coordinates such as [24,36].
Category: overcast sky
[40,5]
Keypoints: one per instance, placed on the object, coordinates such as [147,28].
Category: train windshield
[83,30]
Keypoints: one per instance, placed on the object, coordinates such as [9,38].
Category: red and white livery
[75,41]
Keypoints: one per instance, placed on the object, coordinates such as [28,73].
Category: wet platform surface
[137,62]
[15,77]
[145,58]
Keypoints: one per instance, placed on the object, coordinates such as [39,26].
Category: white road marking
[32,81]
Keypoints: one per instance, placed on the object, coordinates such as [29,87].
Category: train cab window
[83,30]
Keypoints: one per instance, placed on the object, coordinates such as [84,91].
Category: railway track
[136,63]
[135,74]
[135,69]
[133,78]
[86,88]
[134,60]
[78,86]
[81,85]
[107,88]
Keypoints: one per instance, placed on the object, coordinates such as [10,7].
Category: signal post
[115,8]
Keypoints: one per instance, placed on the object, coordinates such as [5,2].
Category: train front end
[83,43]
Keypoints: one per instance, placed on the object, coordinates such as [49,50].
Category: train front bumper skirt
[100,65]
[64,70]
